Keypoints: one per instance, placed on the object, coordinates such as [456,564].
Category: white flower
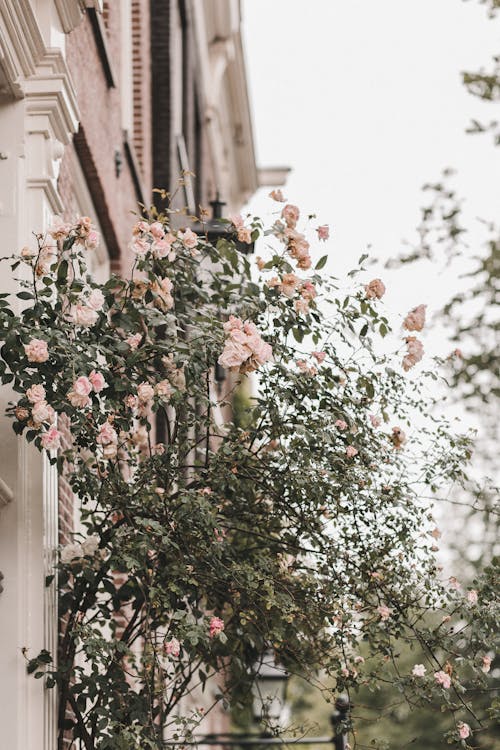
[71,551]
[90,545]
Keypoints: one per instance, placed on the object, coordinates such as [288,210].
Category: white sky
[364,101]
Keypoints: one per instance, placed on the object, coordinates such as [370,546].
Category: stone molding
[6,494]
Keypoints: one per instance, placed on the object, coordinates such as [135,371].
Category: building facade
[100,103]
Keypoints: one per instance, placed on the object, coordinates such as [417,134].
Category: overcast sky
[364,101]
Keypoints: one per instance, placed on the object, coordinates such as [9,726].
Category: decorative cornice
[70,12]
[20,34]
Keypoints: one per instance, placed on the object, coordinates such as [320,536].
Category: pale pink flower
[163,390]
[172,647]
[139,246]
[70,552]
[237,220]
[142,227]
[384,612]
[375,289]
[454,583]
[83,225]
[21,413]
[97,380]
[145,392]
[108,439]
[415,352]
[319,356]
[277,196]
[443,679]
[415,320]
[134,341]
[341,425]
[351,451]
[59,229]
[291,215]
[245,235]
[36,350]
[398,437]
[27,254]
[472,597]
[163,248]
[157,230]
[289,284]
[359,660]
[464,730]
[78,400]
[486,665]
[51,440]
[260,263]
[304,262]
[244,348]
[82,386]
[83,316]
[35,393]
[216,626]
[45,260]
[42,412]
[131,401]
[95,300]
[188,238]
[93,239]
[418,670]
[375,420]
[163,291]
[323,232]
[234,355]
[308,290]
[301,306]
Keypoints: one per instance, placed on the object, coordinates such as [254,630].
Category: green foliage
[305,531]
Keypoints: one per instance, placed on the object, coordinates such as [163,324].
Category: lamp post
[269,694]
[216,228]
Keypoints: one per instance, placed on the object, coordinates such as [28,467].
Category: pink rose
[319,356]
[82,386]
[35,393]
[464,730]
[59,229]
[486,664]
[42,412]
[351,451]
[97,380]
[398,437]
[245,235]
[277,196]
[131,401]
[157,230]
[384,612]
[142,227]
[163,248]
[163,390]
[172,647]
[418,670]
[301,306]
[36,350]
[108,439]
[341,425]
[163,290]
[134,341]
[236,220]
[216,626]
[291,215]
[83,316]
[78,400]
[323,232]
[233,355]
[442,678]
[83,225]
[376,421]
[308,290]
[415,353]
[260,263]
[139,246]
[289,284]
[21,413]
[145,392]
[375,289]
[188,238]
[472,597]
[95,300]
[415,320]
[51,440]
[92,241]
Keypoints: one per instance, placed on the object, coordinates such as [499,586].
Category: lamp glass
[269,690]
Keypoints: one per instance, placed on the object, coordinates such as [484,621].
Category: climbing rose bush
[298,523]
